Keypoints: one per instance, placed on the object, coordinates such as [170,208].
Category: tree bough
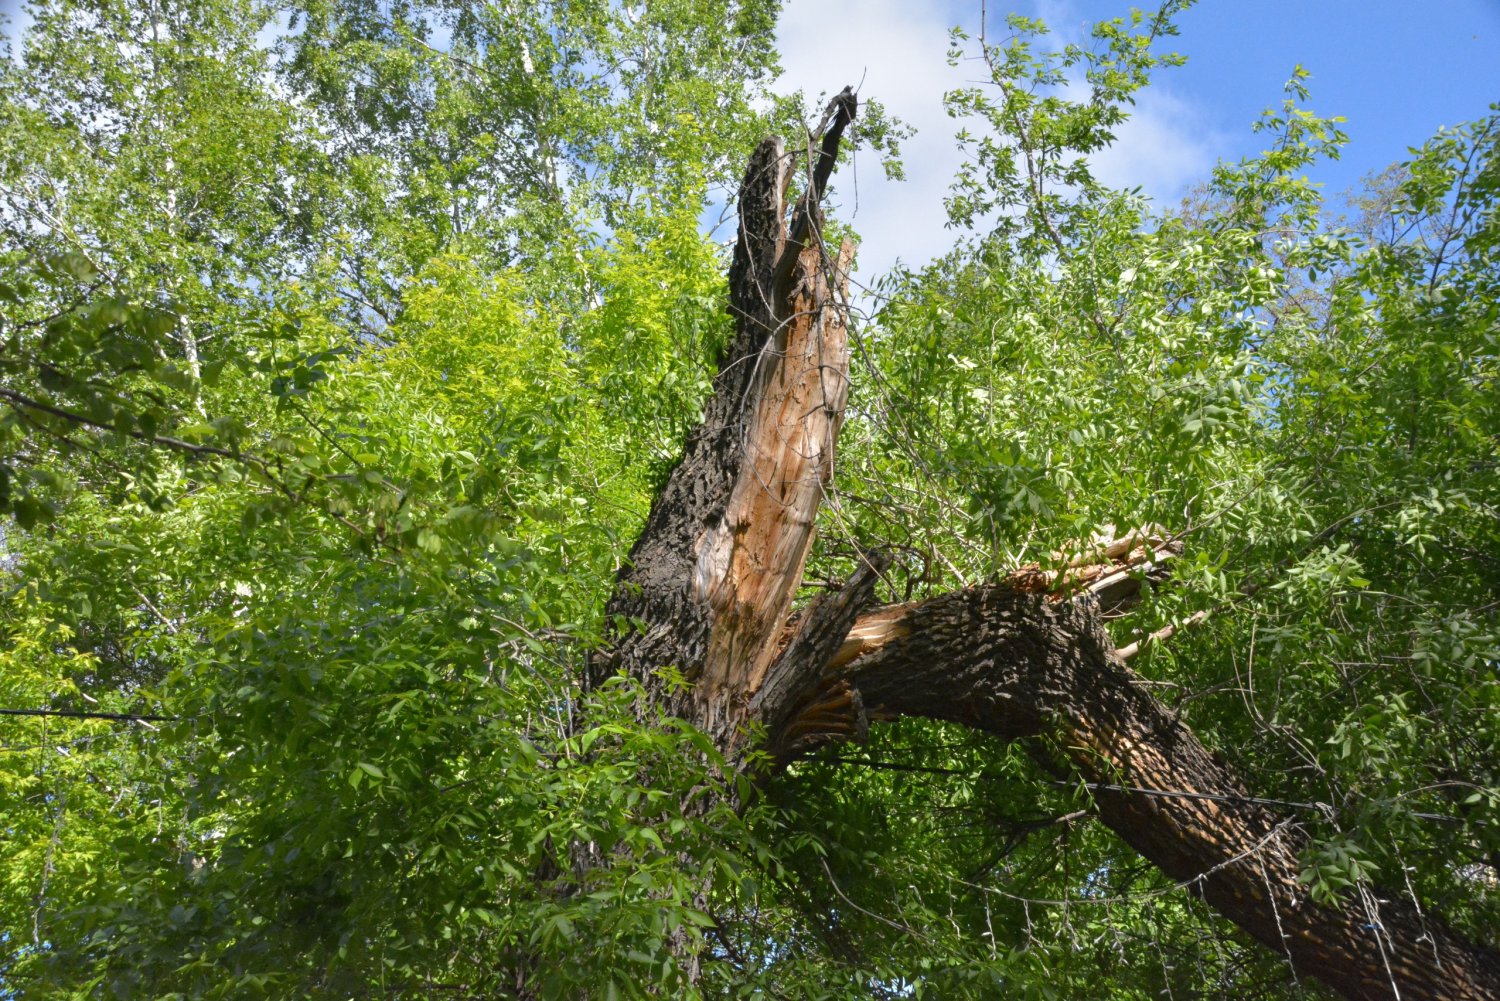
[710,583]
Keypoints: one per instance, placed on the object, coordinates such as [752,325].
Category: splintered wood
[710,580]
[1107,567]
[758,550]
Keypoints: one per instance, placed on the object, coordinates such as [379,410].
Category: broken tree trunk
[710,583]
[711,579]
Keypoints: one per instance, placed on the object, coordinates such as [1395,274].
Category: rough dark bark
[711,580]
[1018,665]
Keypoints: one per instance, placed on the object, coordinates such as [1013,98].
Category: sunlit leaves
[337,384]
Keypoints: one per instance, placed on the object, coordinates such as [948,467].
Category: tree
[350,561]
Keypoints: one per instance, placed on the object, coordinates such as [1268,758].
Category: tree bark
[710,583]
[1020,665]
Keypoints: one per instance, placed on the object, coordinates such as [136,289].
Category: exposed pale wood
[1110,568]
[799,703]
[753,557]
[1166,632]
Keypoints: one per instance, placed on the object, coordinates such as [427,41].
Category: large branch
[1017,664]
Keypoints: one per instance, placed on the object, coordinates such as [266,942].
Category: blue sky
[1395,69]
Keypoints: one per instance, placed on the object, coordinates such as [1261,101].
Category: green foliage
[338,374]
[1309,407]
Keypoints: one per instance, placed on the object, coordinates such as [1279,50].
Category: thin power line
[1223,798]
[85,714]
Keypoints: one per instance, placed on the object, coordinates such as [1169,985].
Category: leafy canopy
[345,344]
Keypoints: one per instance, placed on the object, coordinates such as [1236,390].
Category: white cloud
[1164,148]
[899,50]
